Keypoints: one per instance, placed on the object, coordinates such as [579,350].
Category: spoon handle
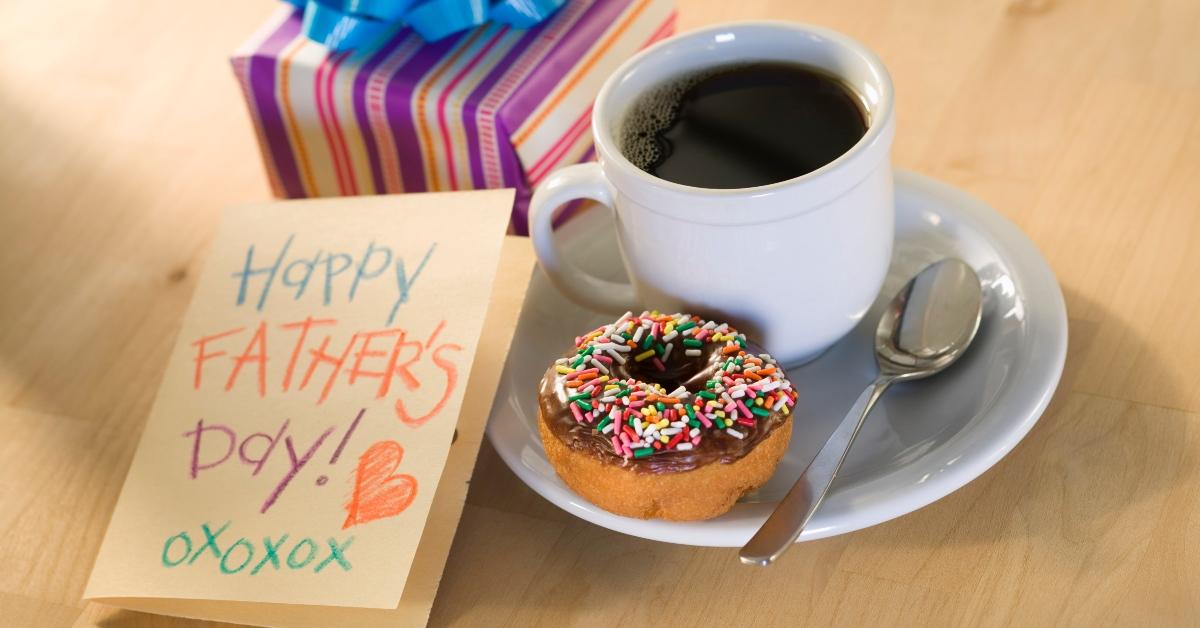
[783,527]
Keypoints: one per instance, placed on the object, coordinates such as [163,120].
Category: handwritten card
[308,409]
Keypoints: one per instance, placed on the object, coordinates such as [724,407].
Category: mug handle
[562,186]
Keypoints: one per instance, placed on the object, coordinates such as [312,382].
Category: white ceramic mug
[794,264]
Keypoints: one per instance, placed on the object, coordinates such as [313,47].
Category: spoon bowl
[930,322]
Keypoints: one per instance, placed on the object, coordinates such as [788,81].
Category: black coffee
[742,126]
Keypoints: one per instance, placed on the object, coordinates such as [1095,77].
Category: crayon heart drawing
[379,492]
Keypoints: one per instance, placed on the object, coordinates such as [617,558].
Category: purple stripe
[572,208]
[514,176]
[562,57]
[287,31]
[480,93]
[262,67]
[398,102]
[359,94]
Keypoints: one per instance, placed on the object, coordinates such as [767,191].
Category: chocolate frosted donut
[665,416]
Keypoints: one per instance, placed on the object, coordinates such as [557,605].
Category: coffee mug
[795,264]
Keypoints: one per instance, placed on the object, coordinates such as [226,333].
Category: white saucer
[923,441]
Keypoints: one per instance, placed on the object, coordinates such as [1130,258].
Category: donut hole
[675,374]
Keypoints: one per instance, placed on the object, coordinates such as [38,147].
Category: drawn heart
[379,492]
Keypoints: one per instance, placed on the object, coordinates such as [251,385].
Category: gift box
[491,107]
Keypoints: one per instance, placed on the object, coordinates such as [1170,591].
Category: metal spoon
[926,327]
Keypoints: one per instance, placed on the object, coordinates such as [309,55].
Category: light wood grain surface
[122,134]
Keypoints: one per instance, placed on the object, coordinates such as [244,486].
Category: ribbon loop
[435,19]
[357,24]
[524,13]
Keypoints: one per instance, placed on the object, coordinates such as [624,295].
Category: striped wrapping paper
[488,108]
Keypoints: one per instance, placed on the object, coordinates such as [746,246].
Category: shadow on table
[1091,460]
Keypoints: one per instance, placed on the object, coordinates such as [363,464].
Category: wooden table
[123,134]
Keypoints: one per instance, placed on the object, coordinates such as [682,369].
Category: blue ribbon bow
[347,24]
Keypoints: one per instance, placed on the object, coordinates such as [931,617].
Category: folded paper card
[294,451]
[490,107]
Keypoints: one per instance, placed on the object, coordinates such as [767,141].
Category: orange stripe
[431,175]
[583,70]
[305,167]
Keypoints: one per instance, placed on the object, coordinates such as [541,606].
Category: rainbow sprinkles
[641,418]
